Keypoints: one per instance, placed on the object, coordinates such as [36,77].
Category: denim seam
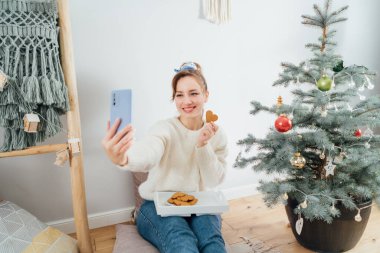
[155,230]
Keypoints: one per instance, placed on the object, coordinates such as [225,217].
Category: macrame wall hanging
[217,11]
[31,74]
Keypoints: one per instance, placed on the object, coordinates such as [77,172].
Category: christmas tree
[322,150]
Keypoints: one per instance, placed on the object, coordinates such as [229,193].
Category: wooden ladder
[74,131]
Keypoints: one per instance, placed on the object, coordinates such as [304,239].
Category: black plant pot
[339,236]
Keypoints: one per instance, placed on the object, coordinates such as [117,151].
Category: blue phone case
[121,107]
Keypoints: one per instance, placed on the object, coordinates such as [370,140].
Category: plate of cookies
[188,203]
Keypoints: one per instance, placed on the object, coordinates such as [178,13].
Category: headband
[186,66]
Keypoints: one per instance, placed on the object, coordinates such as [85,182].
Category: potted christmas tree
[322,151]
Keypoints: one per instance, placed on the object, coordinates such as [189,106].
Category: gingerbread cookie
[182,199]
[211,117]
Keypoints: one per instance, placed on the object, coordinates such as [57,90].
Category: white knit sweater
[174,163]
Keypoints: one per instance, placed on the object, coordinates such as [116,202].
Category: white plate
[209,202]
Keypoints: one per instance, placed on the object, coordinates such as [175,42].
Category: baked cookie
[211,117]
[182,199]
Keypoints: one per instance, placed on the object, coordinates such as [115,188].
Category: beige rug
[250,246]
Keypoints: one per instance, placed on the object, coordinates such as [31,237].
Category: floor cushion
[20,231]
[129,240]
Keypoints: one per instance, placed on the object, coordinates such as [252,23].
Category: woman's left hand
[206,134]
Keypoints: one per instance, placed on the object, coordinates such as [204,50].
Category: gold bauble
[298,161]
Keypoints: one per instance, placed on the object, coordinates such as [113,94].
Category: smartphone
[121,107]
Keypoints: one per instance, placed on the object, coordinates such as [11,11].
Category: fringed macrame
[29,57]
[217,11]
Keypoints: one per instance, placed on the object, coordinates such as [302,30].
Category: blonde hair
[196,73]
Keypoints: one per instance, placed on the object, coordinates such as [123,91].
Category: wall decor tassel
[46,92]
[31,74]
[53,123]
[217,11]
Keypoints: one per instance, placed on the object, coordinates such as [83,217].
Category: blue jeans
[177,234]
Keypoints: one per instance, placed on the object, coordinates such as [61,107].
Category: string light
[304,204]
[306,67]
[324,112]
[361,97]
[367,145]
[370,86]
[349,107]
[357,218]
[64,130]
[323,156]
[333,82]
[351,84]
[298,80]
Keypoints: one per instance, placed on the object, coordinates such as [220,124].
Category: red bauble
[283,124]
[358,133]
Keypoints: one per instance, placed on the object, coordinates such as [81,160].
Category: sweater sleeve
[144,154]
[211,160]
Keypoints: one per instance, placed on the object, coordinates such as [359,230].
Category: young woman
[182,153]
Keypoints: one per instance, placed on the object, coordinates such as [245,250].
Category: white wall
[137,44]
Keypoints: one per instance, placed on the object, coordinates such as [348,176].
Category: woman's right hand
[117,144]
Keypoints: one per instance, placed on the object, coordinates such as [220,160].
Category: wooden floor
[249,219]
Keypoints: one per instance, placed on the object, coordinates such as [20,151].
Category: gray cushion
[138,178]
[129,240]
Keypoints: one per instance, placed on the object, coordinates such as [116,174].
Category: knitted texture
[29,58]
